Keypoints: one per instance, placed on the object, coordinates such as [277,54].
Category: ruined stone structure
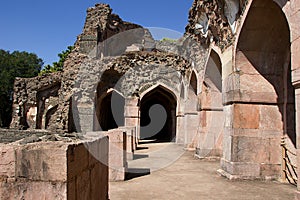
[229,87]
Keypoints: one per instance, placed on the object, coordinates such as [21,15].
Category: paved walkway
[188,178]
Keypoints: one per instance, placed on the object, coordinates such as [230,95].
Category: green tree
[57,66]
[12,65]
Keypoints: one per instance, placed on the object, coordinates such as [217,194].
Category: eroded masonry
[229,89]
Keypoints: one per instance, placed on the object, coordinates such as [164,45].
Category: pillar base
[248,171]
[297,195]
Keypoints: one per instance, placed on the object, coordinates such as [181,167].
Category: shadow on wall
[266,45]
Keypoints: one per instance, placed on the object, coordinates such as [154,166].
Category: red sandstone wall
[54,170]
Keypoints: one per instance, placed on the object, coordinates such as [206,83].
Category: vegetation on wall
[170,40]
[57,66]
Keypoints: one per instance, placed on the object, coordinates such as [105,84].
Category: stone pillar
[117,156]
[85,120]
[210,134]
[192,124]
[180,128]
[132,114]
[253,123]
[117,160]
[252,141]
[211,126]
[130,141]
[297,103]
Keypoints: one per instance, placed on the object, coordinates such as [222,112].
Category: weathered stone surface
[243,116]
[117,155]
[246,116]
[42,162]
[26,96]
[7,161]
[48,170]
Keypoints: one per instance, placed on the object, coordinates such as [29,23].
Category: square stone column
[191,132]
[130,141]
[132,114]
[180,128]
[117,156]
[251,145]
[297,103]
[210,134]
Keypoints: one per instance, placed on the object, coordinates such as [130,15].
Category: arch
[194,82]
[263,49]
[109,110]
[278,3]
[213,71]
[42,97]
[263,54]
[108,80]
[163,86]
[160,123]
[49,114]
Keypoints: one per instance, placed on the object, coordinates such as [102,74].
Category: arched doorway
[158,115]
[261,96]
[266,46]
[213,70]
[110,111]
[210,143]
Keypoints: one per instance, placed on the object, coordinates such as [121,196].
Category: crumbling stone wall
[214,21]
[100,25]
[94,53]
[27,95]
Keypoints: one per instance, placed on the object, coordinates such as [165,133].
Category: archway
[110,111]
[211,125]
[158,115]
[193,83]
[213,71]
[259,95]
[266,48]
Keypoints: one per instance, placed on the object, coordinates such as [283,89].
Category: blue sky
[47,27]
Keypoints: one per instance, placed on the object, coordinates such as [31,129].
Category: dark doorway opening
[110,111]
[158,116]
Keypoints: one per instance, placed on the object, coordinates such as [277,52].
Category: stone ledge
[229,176]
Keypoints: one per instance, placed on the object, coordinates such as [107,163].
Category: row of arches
[253,90]
[157,113]
[159,107]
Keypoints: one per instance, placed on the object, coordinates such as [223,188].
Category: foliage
[12,65]
[169,40]
[57,66]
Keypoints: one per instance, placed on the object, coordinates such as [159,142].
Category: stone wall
[31,93]
[54,170]
[95,64]
[117,156]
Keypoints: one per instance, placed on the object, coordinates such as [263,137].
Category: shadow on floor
[139,156]
[142,148]
[148,141]
[136,172]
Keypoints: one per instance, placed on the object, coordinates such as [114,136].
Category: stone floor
[171,173]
